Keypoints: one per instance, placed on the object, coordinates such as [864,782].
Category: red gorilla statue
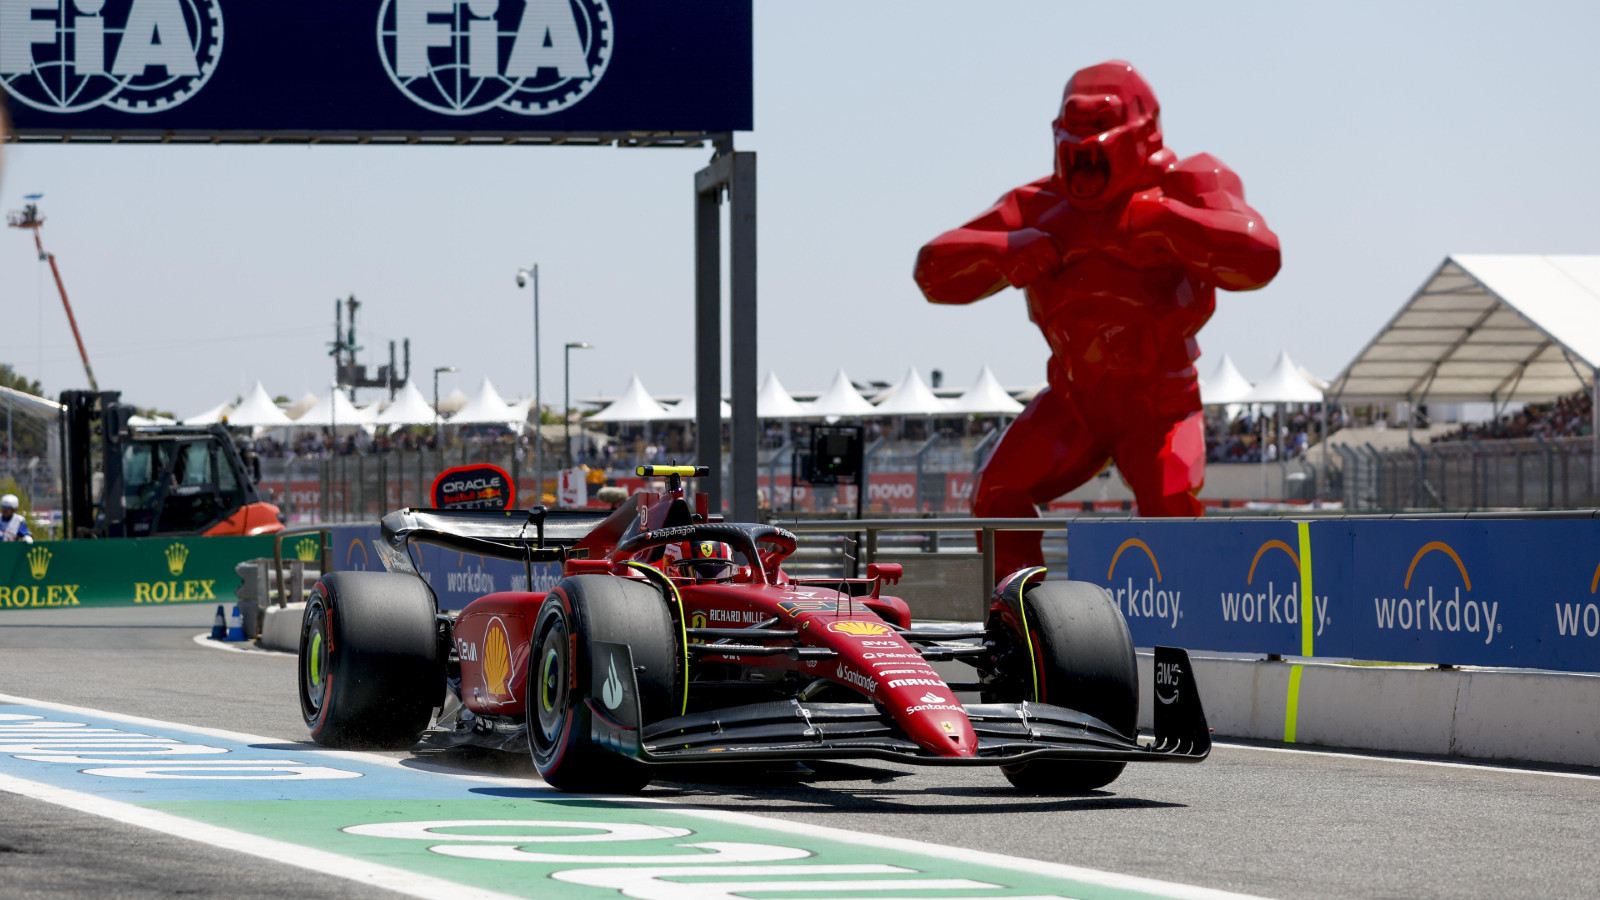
[1120,251]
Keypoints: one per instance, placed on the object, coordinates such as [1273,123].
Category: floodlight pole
[566,392]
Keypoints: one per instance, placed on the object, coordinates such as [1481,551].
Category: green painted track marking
[1291,707]
[554,861]
[1291,712]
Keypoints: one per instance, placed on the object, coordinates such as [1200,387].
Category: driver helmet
[9,502]
[703,560]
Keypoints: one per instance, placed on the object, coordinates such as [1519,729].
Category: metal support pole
[742,330]
[538,400]
[708,330]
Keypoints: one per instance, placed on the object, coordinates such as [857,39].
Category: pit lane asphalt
[1251,819]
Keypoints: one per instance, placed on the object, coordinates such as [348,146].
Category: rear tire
[579,612]
[1087,664]
[369,667]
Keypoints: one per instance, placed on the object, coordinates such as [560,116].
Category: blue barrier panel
[457,578]
[1231,586]
[1484,592]
[1493,592]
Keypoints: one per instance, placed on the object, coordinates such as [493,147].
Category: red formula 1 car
[674,637]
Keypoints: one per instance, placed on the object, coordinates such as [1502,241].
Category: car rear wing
[524,535]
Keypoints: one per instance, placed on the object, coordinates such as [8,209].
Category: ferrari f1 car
[675,637]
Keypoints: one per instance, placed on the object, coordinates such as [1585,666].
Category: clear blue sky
[1375,138]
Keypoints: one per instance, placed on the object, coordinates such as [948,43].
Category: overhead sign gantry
[633,73]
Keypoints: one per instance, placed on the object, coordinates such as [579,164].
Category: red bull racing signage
[474,487]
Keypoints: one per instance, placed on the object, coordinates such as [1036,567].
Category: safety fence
[1522,474]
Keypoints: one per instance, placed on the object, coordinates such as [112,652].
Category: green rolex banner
[124,572]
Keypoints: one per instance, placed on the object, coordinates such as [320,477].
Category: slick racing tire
[579,613]
[1087,663]
[370,673]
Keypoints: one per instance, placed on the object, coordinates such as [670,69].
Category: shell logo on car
[859,629]
[497,660]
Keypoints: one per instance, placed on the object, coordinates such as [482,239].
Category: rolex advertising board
[129,572]
[306,69]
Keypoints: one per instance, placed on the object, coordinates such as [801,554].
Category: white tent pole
[1594,430]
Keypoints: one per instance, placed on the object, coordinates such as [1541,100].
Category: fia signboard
[303,69]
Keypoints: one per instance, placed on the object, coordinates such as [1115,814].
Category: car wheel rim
[553,674]
[316,658]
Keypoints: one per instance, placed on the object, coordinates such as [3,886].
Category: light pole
[523,277]
[437,438]
[566,391]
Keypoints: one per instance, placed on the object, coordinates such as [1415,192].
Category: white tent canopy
[1284,384]
[686,410]
[258,411]
[299,407]
[211,416]
[1225,385]
[409,408]
[337,412]
[1486,328]
[841,399]
[985,397]
[912,397]
[773,402]
[488,408]
[453,402]
[634,405]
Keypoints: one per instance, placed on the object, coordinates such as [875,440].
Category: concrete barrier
[1489,714]
[280,627]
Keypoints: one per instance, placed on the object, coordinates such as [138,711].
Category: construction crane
[30,219]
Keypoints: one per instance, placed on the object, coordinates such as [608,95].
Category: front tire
[369,667]
[1087,664]
[579,612]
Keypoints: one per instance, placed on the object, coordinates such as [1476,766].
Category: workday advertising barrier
[1487,592]
[124,572]
[457,578]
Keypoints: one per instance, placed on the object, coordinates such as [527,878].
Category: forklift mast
[122,481]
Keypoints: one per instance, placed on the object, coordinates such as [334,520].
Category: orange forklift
[121,480]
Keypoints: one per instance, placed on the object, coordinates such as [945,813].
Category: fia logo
[464,57]
[133,56]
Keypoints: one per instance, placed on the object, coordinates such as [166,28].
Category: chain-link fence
[1524,474]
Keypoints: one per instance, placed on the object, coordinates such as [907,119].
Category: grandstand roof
[1486,328]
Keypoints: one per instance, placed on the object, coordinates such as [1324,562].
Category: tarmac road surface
[1258,820]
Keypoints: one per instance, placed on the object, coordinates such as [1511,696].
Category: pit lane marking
[1336,754]
[414,884]
[401,881]
[204,640]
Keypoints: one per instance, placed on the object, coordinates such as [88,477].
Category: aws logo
[1417,612]
[1148,600]
[133,56]
[1262,602]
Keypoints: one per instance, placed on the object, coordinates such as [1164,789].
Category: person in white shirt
[13,527]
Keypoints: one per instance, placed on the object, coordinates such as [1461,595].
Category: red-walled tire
[577,613]
[369,668]
[1086,655]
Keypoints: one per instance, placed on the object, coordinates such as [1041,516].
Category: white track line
[401,881]
[204,640]
[1483,767]
[422,887]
